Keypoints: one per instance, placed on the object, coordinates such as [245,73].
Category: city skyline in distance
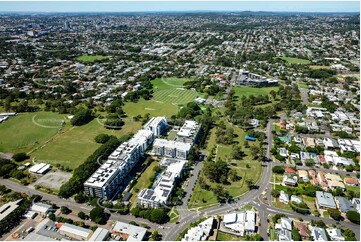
[176,6]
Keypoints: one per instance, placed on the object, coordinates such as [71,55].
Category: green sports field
[247,91]
[91,58]
[168,96]
[170,90]
[27,130]
[71,148]
[292,60]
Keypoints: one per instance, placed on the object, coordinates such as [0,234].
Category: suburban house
[284,197]
[335,234]
[343,204]
[334,181]
[319,234]
[325,200]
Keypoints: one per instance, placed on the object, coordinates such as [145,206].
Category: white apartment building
[164,185]
[108,177]
[189,132]
[157,125]
[170,148]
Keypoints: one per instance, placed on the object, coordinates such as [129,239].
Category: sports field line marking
[169,84]
[149,109]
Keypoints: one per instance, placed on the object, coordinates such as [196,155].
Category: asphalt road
[170,231]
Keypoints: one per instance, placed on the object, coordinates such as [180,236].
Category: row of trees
[158,215]
[82,173]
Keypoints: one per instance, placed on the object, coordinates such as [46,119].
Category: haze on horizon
[167,6]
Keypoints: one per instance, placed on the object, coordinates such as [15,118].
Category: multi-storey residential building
[171,148]
[107,179]
[164,185]
[246,78]
[189,132]
[157,125]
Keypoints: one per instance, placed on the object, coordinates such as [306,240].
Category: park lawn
[221,236]
[143,181]
[319,67]
[29,130]
[255,91]
[201,197]
[293,60]
[91,58]
[154,108]
[73,147]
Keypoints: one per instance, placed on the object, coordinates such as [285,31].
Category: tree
[255,151]
[52,217]
[278,169]
[233,176]
[20,156]
[353,216]
[82,116]
[80,198]
[349,235]
[156,236]
[237,153]
[250,184]
[102,138]
[275,193]
[65,210]
[158,216]
[82,215]
[335,214]
[216,171]
[295,235]
[220,192]
[98,215]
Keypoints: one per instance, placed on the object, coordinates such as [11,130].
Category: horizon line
[184,11]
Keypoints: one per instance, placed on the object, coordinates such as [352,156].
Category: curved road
[171,231]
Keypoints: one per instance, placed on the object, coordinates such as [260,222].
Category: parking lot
[53,180]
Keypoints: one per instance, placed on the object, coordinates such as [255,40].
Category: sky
[142,6]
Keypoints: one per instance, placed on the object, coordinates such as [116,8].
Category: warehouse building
[75,232]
